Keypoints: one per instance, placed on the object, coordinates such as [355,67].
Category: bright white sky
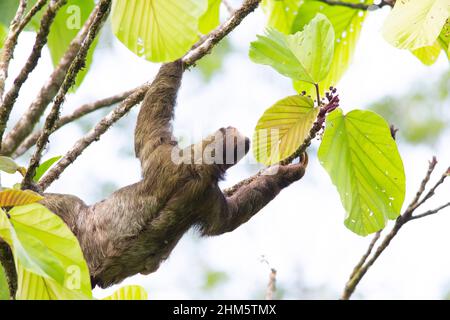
[301,232]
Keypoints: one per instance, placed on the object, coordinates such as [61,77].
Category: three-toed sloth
[137,227]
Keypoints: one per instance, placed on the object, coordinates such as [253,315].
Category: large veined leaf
[429,54]
[16,197]
[4,288]
[211,18]
[347,24]
[362,159]
[414,24]
[305,55]
[280,13]
[282,128]
[44,229]
[159,30]
[38,222]
[68,21]
[128,293]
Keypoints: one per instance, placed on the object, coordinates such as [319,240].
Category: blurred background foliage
[421,114]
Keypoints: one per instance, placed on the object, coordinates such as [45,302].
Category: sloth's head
[225,148]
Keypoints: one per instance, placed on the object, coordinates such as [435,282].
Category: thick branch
[41,40]
[361,269]
[75,67]
[199,51]
[75,115]
[31,117]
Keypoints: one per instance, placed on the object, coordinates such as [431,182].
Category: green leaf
[4,288]
[280,13]
[444,38]
[273,50]
[305,55]
[283,128]
[68,21]
[3,35]
[159,30]
[414,24]
[211,18]
[15,197]
[128,293]
[43,167]
[362,159]
[8,9]
[34,228]
[429,54]
[8,165]
[347,24]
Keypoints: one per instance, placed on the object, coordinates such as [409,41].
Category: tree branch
[75,67]
[75,115]
[7,261]
[31,117]
[9,45]
[41,40]
[359,6]
[199,51]
[361,269]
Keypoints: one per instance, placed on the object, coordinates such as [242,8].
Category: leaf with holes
[362,159]
[305,55]
[347,24]
[128,293]
[283,128]
[280,13]
[414,24]
[159,30]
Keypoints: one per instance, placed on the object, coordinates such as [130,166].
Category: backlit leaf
[128,293]
[159,30]
[362,159]
[282,128]
[414,24]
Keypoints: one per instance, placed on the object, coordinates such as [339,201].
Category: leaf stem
[318,94]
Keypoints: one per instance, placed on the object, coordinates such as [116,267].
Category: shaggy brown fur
[138,226]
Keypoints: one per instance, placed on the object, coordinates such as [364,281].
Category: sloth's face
[225,147]
[235,146]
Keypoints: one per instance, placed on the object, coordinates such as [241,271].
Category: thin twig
[9,45]
[75,115]
[359,6]
[366,254]
[41,40]
[198,52]
[430,212]
[219,33]
[75,67]
[359,271]
[31,116]
[271,286]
